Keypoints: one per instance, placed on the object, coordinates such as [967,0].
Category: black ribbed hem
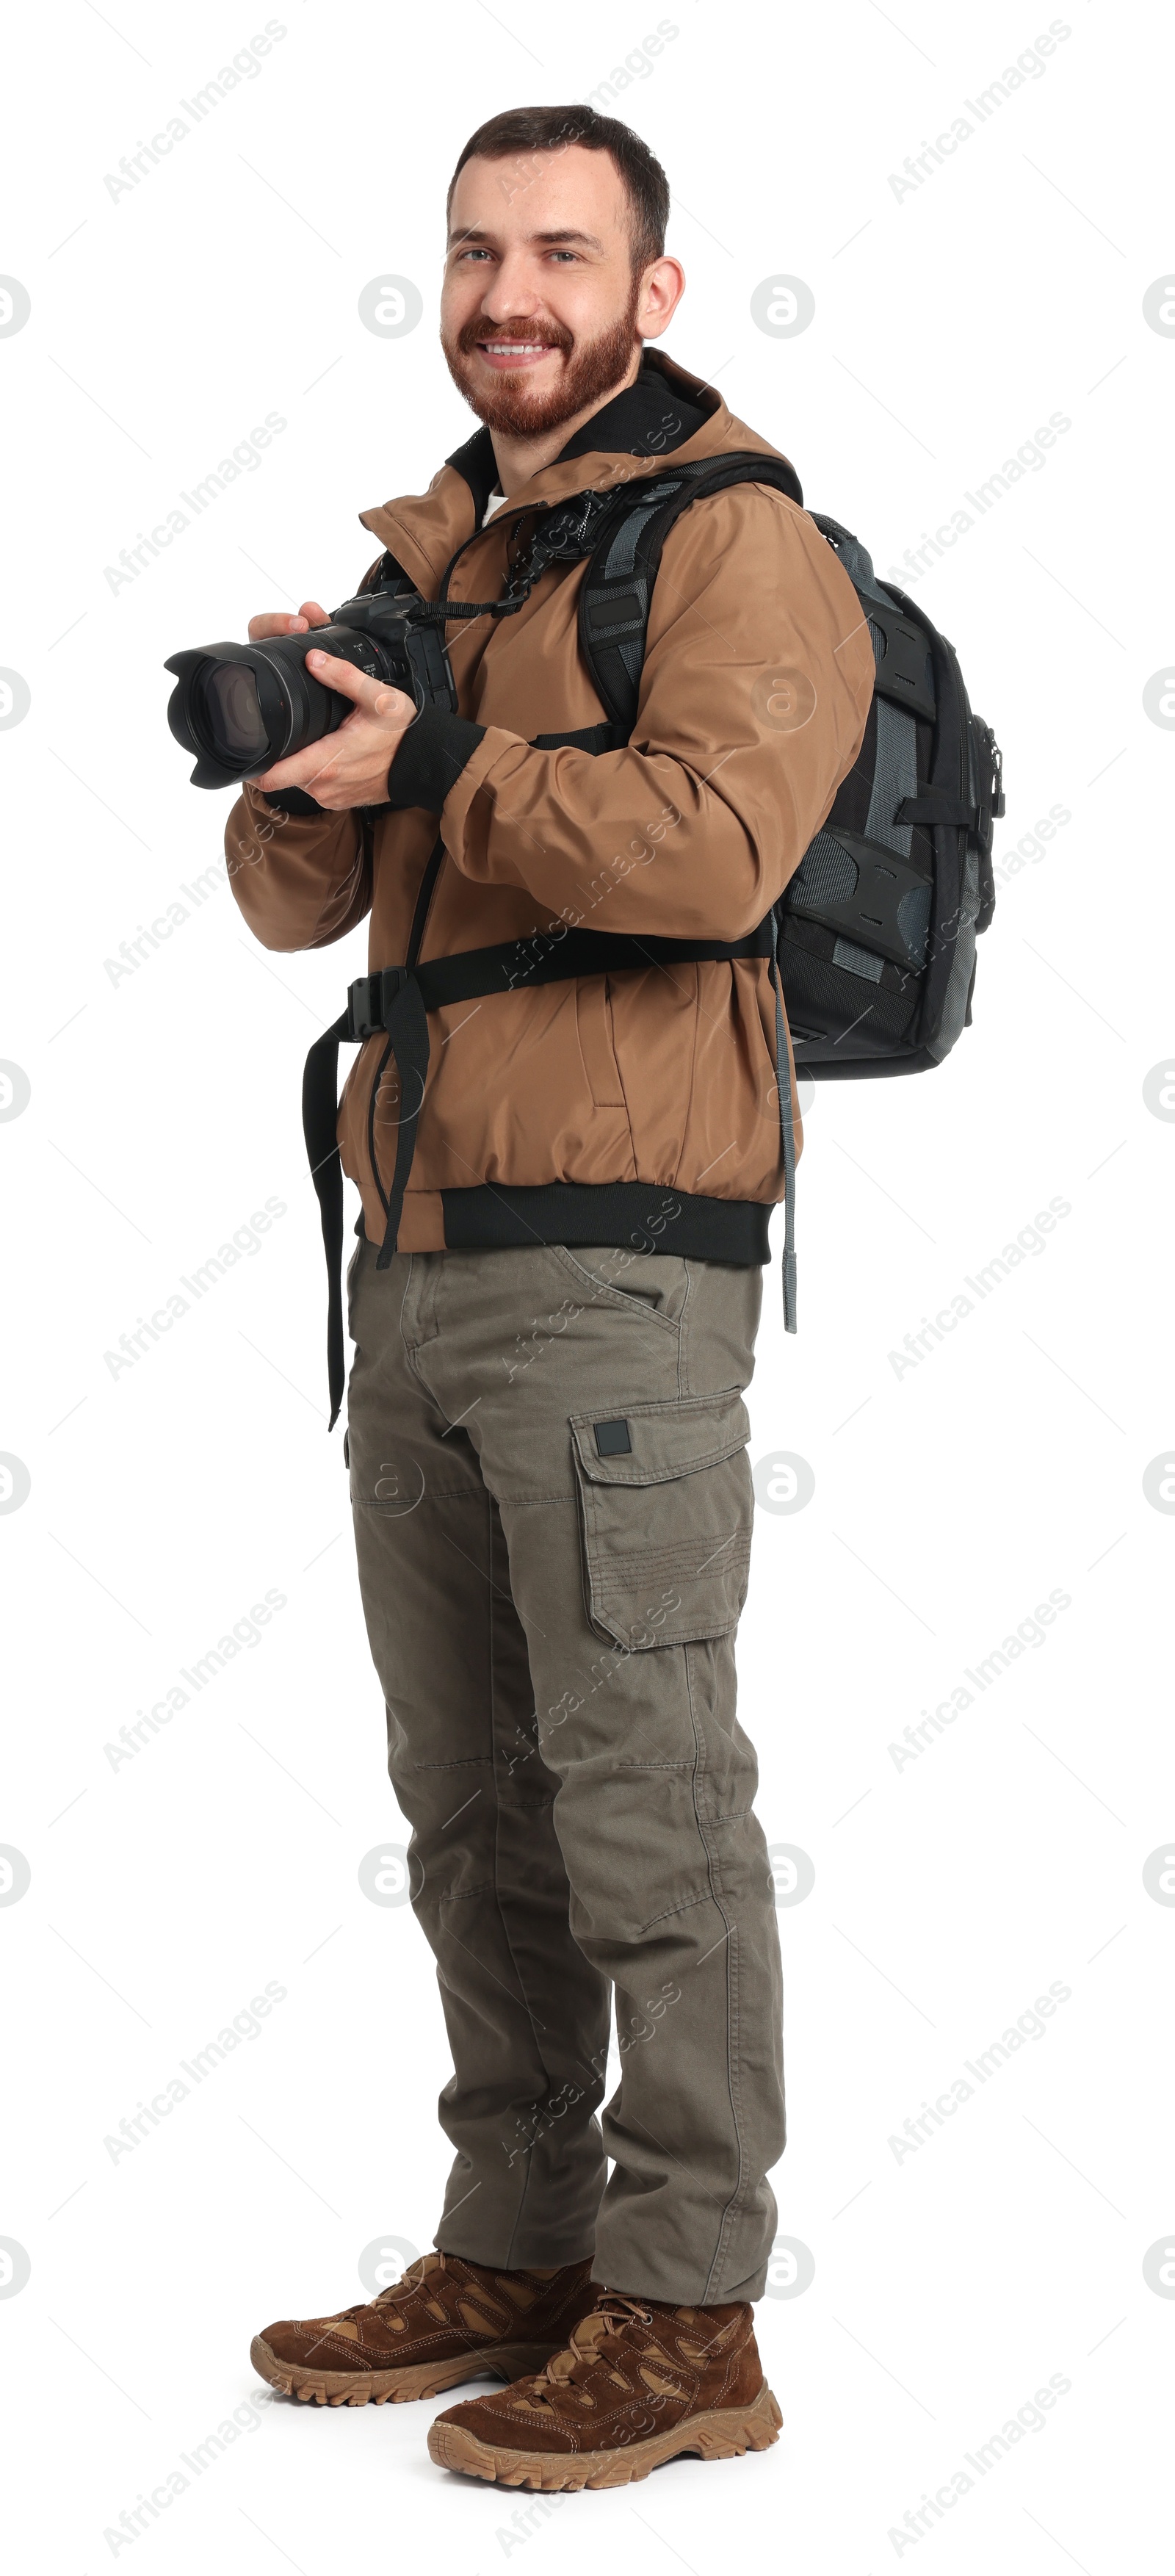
[643,1215]
[430,759]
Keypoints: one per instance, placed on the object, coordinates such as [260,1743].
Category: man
[547,1437]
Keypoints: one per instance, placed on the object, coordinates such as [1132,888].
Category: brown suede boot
[447,2320]
[639,2383]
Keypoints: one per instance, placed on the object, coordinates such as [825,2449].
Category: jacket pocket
[665,1513]
[593,1020]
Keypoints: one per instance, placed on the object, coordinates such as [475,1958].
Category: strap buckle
[369,999]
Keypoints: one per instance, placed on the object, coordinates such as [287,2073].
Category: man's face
[539,307]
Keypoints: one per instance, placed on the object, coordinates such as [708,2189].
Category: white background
[951,2282]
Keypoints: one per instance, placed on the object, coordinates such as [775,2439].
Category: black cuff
[430,759]
[292,800]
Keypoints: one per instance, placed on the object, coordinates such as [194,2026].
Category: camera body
[242,707]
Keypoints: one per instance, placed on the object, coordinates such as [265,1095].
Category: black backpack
[871,947]
[878,925]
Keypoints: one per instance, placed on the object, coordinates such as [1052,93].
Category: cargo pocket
[665,1511]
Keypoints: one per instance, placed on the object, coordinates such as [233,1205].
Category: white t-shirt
[497,501]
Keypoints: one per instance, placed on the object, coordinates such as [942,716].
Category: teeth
[513,348]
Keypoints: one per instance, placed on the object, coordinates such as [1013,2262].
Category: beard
[591,369]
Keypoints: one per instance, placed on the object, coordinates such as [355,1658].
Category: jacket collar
[627,439]
[647,419]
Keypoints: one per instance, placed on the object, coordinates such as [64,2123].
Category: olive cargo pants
[552,1506]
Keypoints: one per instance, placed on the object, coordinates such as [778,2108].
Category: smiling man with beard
[547,1437]
[549,367]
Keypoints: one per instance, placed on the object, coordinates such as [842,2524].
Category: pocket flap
[648,1444]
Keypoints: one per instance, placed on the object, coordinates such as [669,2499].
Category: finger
[319,760]
[276,623]
[374,697]
[313,614]
[346,681]
[334,673]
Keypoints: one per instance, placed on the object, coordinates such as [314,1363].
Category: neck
[520,458]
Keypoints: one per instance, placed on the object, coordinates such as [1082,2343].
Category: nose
[512,293]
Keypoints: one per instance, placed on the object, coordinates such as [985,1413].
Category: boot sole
[395,2387]
[722,2434]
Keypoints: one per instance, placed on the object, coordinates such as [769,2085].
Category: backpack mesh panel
[827,873]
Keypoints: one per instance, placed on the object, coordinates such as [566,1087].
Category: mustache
[554,335]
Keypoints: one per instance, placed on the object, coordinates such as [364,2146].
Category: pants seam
[520,2211]
[727,2220]
[684,1320]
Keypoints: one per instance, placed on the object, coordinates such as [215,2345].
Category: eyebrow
[478,233]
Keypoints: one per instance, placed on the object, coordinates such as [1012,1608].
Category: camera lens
[236,726]
[242,707]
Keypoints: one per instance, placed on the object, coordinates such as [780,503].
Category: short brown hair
[543,129]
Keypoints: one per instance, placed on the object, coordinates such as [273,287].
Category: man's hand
[309,614]
[349,767]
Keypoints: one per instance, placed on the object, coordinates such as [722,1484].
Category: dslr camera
[242,707]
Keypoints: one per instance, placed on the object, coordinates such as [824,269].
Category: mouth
[515,354]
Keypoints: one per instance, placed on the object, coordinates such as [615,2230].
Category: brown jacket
[539,1101]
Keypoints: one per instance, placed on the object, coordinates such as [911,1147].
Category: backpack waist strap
[545,957]
[395,1001]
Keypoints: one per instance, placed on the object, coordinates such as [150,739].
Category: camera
[242,707]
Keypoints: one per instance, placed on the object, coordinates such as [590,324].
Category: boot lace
[421,2270]
[608,2320]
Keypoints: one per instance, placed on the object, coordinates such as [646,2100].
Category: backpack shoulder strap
[617,588]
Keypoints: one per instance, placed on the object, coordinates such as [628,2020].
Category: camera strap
[320,1116]
[402,1017]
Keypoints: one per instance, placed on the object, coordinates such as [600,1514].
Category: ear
[661,290]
